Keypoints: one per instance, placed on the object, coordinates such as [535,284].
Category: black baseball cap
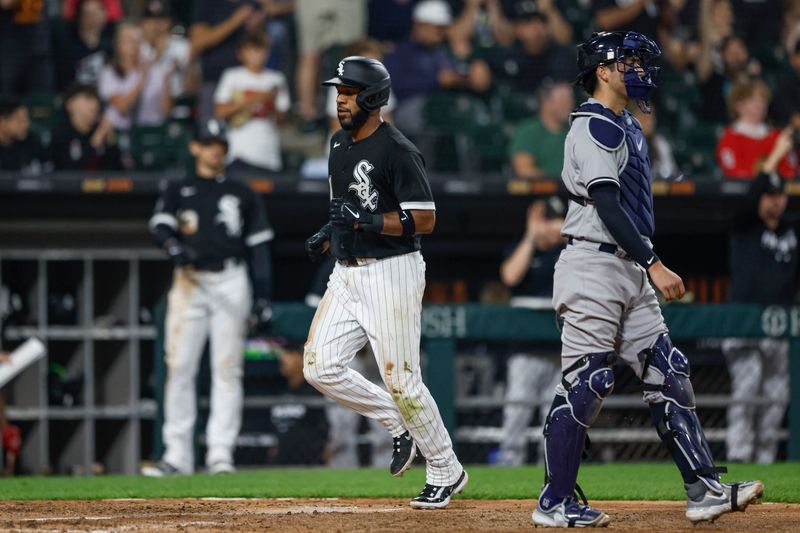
[524,10]
[774,184]
[156,9]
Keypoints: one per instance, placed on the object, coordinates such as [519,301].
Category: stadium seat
[159,147]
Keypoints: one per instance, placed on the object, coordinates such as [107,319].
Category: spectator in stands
[532,375]
[734,66]
[321,25]
[747,142]
[217,28]
[253,100]
[389,20]
[367,48]
[764,270]
[20,150]
[137,90]
[471,33]
[657,18]
[86,140]
[559,28]
[112,10]
[759,21]
[168,53]
[422,65]
[302,429]
[662,162]
[25,66]
[786,106]
[790,33]
[534,55]
[83,46]
[280,30]
[635,15]
[537,147]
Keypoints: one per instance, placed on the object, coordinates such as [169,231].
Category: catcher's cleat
[710,505]
[404,450]
[438,497]
[568,512]
[160,469]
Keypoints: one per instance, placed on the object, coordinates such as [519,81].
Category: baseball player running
[215,231]
[602,295]
[380,205]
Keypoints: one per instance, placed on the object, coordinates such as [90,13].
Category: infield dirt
[333,515]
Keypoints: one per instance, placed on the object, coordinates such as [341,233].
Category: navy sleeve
[606,200]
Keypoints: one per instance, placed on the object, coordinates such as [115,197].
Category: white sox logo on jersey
[230,215]
[363,185]
[340,68]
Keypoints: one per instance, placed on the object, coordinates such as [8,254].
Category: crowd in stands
[480,85]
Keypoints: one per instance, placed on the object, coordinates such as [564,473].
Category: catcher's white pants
[759,368]
[530,379]
[381,303]
[200,303]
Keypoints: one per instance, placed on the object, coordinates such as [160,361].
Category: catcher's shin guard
[587,383]
[681,432]
[665,372]
[564,439]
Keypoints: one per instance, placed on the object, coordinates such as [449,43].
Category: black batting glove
[260,316]
[346,214]
[179,254]
[318,244]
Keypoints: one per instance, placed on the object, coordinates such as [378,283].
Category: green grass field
[632,481]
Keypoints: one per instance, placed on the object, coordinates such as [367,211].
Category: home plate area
[345,515]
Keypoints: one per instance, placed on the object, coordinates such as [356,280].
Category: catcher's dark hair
[589,82]
[256,39]
[9,104]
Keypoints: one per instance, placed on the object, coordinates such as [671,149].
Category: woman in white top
[136,92]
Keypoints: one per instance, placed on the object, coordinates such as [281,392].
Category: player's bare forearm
[423,220]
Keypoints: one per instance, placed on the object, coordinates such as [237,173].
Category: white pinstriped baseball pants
[199,304]
[380,303]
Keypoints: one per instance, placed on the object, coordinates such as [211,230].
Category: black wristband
[373,223]
[407,221]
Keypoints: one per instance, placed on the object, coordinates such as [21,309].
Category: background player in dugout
[215,230]
[380,205]
[604,301]
[764,263]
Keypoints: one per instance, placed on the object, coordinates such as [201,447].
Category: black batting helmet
[367,74]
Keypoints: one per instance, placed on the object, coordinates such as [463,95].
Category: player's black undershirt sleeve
[259,259]
[164,222]
[605,197]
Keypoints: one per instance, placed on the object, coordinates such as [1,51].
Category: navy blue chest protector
[634,180]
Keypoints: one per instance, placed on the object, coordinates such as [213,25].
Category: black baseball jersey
[216,217]
[382,173]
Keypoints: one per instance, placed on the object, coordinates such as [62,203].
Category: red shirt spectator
[113,10]
[747,142]
[742,149]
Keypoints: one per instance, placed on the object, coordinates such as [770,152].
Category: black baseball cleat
[438,497]
[403,453]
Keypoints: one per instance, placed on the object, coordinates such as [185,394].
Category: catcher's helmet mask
[633,54]
[368,75]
